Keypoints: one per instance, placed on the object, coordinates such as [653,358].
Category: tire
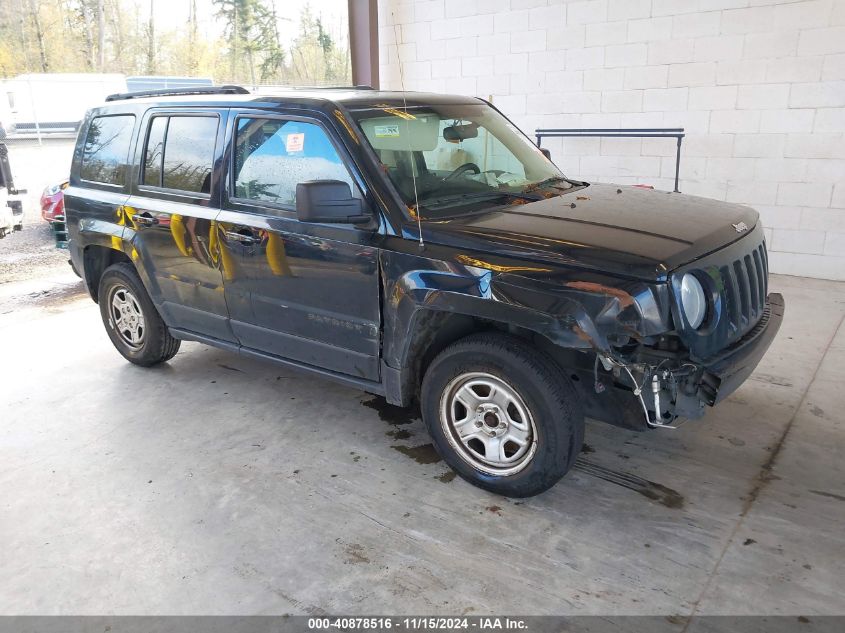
[532,444]
[143,337]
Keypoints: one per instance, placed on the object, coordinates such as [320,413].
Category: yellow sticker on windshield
[386,131]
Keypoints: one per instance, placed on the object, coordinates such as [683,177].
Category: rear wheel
[502,414]
[132,322]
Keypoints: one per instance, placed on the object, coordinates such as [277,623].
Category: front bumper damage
[669,386]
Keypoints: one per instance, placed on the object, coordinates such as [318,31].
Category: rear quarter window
[106,150]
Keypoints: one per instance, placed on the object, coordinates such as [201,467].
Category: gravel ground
[34,274]
[30,254]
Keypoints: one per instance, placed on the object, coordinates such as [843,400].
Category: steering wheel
[462,170]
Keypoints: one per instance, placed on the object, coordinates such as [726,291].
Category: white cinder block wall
[759,86]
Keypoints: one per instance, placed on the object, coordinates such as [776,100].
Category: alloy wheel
[127,319]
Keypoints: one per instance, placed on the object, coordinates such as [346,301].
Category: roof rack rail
[175,92]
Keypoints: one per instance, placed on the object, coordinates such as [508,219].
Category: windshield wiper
[548,181]
[478,196]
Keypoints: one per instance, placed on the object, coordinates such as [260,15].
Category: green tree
[315,55]
[252,37]
[117,36]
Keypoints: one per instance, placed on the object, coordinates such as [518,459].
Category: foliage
[113,36]
[314,53]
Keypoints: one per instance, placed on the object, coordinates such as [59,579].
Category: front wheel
[502,414]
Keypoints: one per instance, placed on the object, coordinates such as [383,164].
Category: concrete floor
[219,485]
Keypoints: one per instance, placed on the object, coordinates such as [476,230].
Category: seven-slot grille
[745,283]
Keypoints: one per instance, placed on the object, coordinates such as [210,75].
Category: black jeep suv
[419,247]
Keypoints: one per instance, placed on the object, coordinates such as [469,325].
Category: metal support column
[363,42]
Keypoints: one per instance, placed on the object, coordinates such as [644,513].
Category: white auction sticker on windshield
[383,131]
[295,142]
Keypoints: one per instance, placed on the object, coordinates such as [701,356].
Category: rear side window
[179,153]
[106,150]
[154,151]
[273,155]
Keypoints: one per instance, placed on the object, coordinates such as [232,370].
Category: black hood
[629,231]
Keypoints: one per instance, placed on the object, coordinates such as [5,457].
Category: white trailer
[48,103]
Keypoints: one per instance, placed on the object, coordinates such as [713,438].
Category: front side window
[273,155]
[106,149]
[179,153]
[461,157]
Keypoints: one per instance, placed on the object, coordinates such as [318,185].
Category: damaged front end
[669,384]
[665,390]
[693,365]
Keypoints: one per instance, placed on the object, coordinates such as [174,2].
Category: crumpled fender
[577,313]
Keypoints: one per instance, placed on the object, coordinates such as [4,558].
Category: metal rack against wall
[647,132]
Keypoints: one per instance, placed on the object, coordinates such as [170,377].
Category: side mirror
[328,202]
[546,153]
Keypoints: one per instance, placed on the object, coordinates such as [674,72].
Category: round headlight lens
[693,301]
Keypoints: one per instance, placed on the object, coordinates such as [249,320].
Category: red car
[53,201]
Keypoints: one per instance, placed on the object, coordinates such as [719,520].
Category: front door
[301,291]
[173,211]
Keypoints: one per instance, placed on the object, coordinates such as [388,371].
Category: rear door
[172,213]
[302,291]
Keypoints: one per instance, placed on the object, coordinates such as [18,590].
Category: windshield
[462,157]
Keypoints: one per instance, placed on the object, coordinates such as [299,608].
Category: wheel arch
[432,330]
[427,307]
[95,260]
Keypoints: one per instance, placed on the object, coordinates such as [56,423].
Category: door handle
[243,238]
[144,219]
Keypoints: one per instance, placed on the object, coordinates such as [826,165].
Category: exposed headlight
[693,300]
